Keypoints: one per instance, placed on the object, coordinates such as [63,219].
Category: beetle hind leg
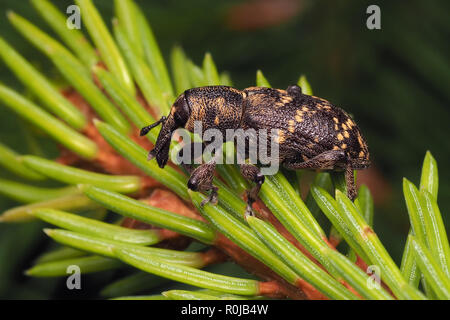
[294,90]
[329,160]
[350,180]
[252,173]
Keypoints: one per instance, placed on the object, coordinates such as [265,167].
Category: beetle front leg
[252,173]
[201,180]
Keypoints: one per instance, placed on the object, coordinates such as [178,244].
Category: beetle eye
[177,117]
[182,110]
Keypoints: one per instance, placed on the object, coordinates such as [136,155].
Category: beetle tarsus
[212,198]
[249,211]
[252,173]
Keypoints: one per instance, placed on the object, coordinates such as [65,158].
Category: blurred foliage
[394,81]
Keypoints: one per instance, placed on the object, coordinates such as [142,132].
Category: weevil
[312,133]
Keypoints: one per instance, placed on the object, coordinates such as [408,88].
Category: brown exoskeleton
[312,133]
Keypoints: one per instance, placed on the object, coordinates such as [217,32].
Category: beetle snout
[161,149]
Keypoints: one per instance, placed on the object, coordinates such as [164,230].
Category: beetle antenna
[146,129]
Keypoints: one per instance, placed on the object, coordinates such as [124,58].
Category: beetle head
[179,114]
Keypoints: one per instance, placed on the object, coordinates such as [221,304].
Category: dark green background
[395,81]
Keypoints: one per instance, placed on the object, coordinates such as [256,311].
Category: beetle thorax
[216,107]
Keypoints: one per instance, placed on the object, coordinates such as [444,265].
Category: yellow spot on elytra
[299,116]
[350,123]
[305,158]
[216,120]
[361,154]
[316,140]
[343,146]
[335,120]
[280,137]
[305,109]
[344,126]
[335,148]
[340,137]
[286,99]
[336,128]
[346,134]
[360,140]
[291,126]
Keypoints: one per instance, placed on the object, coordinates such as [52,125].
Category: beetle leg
[350,179]
[252,173]
[201,180]
[212,198]
[294,90]
[327,160]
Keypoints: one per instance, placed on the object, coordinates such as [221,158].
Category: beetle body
[311,132]
[308,126]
